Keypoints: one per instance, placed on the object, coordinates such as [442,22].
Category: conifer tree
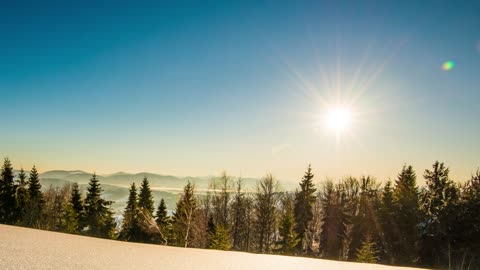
[77,204]
[8,210]
[145,198]
[35,200]
[130,227]
[406,218]
[439,202]
[288,236]
[366,215]
[367,253]
[304,201]
[21,196]
[162,216]
[73,211]
[183,217]
[388,227]
[98,216]
[334,221]
[220,239]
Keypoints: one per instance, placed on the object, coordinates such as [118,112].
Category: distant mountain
[116,185]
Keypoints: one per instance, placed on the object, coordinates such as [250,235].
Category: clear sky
[194,88]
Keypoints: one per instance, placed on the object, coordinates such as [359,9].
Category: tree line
[352,219]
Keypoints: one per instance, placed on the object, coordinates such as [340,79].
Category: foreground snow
[22,248]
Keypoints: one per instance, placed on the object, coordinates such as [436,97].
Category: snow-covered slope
[22,248]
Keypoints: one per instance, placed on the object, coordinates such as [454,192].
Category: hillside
[22,248]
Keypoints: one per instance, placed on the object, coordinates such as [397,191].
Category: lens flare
[448,65]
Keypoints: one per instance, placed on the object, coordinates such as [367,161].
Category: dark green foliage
[304,201]
[220,239]
[21,196]
[265,210]
[365,221]
[367,253]
[162,215]
[439,202]
[334,222]
[288,236]
[145,198]
[388,230]
[35,200]
[130,227]
[183,217]
[75,210]
[8,209]
[406,217]
[98,216]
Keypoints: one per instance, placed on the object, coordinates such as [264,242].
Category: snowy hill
[22,248]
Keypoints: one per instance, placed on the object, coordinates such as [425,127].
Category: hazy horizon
[248,87]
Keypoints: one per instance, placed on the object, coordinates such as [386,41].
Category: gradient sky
[194,88]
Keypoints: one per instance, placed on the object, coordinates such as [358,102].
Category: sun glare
[339,119]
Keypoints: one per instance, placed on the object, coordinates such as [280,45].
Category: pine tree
[73,211]
[21,196]
[334,221]
[288,236]
[8,210]
[130,227]
[467,227]
[77,205]
[406,218]
[220,239]
[162,216]
[145,198]
[439,203]
[388,226]
[304,201]
[98,216]
[184,216]
[35,200]
[367,253]
[265,202]
[366,215]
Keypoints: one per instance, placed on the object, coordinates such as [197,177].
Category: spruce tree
[98,216]
[334,221]
[386,220]
[8,210]
[145,198]
[367,253]
[439,203]
[35,200]
[304,201]
[162,216]
[130,227]
[220,239]
[21,196]
[183,217]
[365,216]
[75,211]
[288,236]
[406,218]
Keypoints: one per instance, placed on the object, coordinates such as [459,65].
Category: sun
[339,118]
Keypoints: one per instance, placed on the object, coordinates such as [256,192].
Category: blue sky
[194,88]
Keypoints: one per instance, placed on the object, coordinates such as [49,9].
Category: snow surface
[23,248]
